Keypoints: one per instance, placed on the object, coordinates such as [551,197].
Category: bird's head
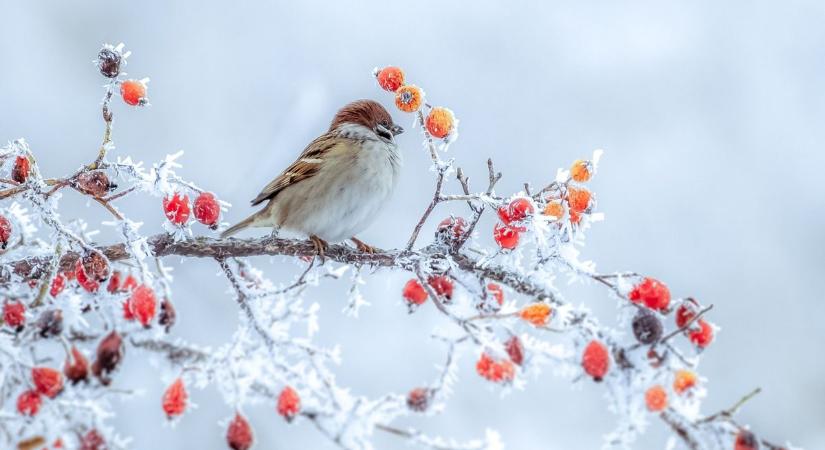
[369,114]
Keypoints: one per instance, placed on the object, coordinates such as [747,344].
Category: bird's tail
[242,225]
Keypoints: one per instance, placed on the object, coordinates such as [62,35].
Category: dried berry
[440,122]
[686,311]
[684,380]
[505,236]
[95,183]
[143,304]
[84,280]
[108,62]
[177,208]
[554,209]
[537,314]
[745,440]
[647,327]
[207,210]
[579,199]
[76,368]
[50,323]
[390,78]
[289,403]
[409,98]
[134,92]
[581,171]
[47,381]
[596,360]
[702,336]
[114,283]
[95,266]
[14,314]
[175,399]
[5,232]
[92,440]
[58,284]
[656,398]
[239,434]
[497,371]
[28,403]
[515,350]
[21,170]
[167,315]
[418,399]
[109,354]
[451,228]
[414,293]
[442,285]
[652,293]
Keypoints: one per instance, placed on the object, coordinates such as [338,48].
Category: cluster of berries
[440,122]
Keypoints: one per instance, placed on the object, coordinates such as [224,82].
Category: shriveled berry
[505,236]
[414,293]
[95,183]
[497,371]
[579,199]
[176,207]
[207,209]
[85,281]
[746,440]
[390,78]
[581,171]
[515,350]
[93,440]
[28,402]
[409,98]
[656,398]
[289,403]
[554,209]
[418,399]
[702,336]
[143,304]
[5,232]
[442,285]
[47,381]
[134,92]
[76,368]
[652,293]
[108,62]
[684,380]
[175,399]
[440,122]
[50,323]
[686,311]
[58,284]
[537,314]
[239,434]
[596,360]
[452,228]
[95,266]
[647,327]
[21,170]
[14,314]
[167,315]
[109,354]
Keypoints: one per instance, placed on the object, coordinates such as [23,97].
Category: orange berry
[440,122]
[575,217]
[390,78]
[656,398]
[684,380]
[409,98]
[133,92]
[495,370]
[580,170]
[537,314]
[578,199]
[554,209]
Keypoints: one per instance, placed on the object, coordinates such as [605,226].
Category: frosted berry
[554,209]
[390,78]
[745,440]
[114,282]
[289,403]
[175,399]
[647,327]
[414,293]
[575,217]
[496,292]
[581,171]
[50,323]
[47,381]
[440,122]
[497,371]
[684,380]
[92,440]
[702,336]
[652,293]
[505,236]
[14,314]
[442,285]
[58,284]
[656,398]
[167,315]
[515,350]
[133,92]
[176,207]
[418,399]
[239,434]
[28,403]
[519,209]
[409,98]
[5,232]
[686,311]
[76,368]
[95,266]
[108,62]
[452,228]
[143,304]
[21,170]
[129,284]
[207,210]
[83,280]
[537,314]
[579,199]
[109,354]
[95,183]
[596,360]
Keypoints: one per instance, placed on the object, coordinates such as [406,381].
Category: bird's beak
[396,130]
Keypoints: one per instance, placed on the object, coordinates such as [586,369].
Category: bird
[338,184]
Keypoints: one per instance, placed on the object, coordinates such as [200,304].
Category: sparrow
[339,183]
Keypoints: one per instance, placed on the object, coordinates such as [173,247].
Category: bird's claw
[320,246]
[364,247]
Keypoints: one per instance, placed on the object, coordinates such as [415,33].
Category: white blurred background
[711,115]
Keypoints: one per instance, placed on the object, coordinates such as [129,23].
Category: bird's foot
[364,247]
[320,246]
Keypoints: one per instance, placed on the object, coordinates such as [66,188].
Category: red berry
[520,208]
[114,283]
[653,293]
[442,285]
[686,312]
[703,335]
[452,227]
[14,314]
[133,92]
[684,380]
[579,199]
[207,210]
[175,398]
[47,381]
[22,167]
[58,284]
[495,370]
[390,78]
[28,403]
[515,350]
[177,208]
[95,183]
[83,280]
[505,236]
[289,403]
[239,434]
[143,304]
[127,310]
[596,360]
[5,232]
[109,355]
[76,367]
[129,284]
[656,398]
[745,440]
[414,293]
[496,292]
[418,399]
[93,441]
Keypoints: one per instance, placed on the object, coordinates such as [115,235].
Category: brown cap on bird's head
[370,114]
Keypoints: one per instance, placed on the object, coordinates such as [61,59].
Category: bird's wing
[307,165]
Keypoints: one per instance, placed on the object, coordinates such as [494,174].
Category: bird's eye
[385,124]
